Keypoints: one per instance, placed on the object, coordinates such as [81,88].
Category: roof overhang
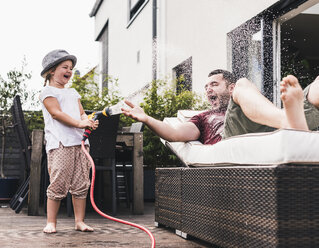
[96,7]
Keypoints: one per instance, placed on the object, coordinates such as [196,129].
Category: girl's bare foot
[292,98]
[81,226]
[50,228]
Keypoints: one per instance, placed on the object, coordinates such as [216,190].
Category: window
[183,75]
[251,52]
[103,39]
[135,7]
[299,41]
[246,43]
[280,40]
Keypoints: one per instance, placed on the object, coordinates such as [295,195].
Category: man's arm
[184,132]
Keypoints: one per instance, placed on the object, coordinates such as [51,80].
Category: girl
[64,120]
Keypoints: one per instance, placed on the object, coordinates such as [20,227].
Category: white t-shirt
[56,131]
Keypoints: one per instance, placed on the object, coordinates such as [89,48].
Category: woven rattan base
[168,194]
[242,206]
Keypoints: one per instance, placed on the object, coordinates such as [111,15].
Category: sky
[32,28]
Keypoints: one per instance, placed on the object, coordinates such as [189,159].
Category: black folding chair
[102,149]
[21,130]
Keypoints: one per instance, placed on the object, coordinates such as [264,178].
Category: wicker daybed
[257,190]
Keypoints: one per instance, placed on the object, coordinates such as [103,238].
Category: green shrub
[160,101]
[91,96]
[34,120]
[93,99]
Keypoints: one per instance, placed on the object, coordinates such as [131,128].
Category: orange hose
[105,215]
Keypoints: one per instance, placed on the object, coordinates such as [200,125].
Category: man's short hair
[227,75]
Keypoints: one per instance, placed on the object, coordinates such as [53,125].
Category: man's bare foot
[292,98]
[81,226]
[50,228]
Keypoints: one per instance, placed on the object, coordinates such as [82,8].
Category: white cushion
[278,147]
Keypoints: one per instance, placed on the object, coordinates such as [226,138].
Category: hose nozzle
[94,116]
[108,111]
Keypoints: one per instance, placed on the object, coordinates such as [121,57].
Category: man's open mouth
[213,98]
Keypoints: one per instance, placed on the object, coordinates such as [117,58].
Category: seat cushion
[278,147]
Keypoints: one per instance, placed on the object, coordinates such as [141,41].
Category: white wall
[185,28]
[199,28]
[125,42]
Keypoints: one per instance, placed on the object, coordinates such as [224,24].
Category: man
[247,110]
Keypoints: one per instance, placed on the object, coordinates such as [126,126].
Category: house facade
[142,40]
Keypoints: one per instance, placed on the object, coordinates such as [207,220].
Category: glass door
[281,40]
[300,45]
[251,53]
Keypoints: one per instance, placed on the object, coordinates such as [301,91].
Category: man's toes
[292,80]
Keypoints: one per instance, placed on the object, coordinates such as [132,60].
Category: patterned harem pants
[69,170]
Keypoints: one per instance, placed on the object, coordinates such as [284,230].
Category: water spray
[108,111]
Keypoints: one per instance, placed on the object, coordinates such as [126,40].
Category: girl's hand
[88,124]
[95,124]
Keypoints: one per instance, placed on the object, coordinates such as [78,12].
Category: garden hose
[103,214]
